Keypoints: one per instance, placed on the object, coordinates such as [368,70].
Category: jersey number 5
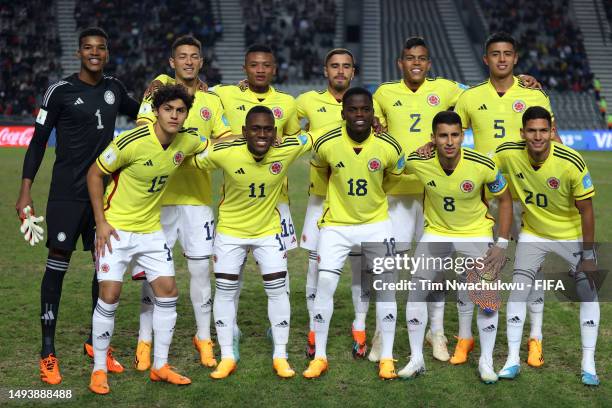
[498,125]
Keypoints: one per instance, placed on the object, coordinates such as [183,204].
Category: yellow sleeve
[205,160]
[454,92]
[378,112]
[164,79]
[548,107]
[462,110]
[300,106]
[292,127]
[113,158]
[495,181]
[582,184]
[396,164]
[145,113]
[220,125]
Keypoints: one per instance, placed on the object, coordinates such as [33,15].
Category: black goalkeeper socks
[50,295]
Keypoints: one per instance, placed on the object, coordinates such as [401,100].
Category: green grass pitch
[348,382]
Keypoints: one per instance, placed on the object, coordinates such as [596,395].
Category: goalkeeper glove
[32,232]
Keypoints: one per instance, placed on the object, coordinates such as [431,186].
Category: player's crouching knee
[164,287]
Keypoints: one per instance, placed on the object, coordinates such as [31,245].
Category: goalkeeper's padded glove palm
[32,232]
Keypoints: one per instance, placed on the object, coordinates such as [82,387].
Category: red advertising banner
[16,136]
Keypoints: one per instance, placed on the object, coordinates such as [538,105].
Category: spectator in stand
[610,121]
[597,88]
[603,107]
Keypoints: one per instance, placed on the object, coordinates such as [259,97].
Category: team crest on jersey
[205,113]
[276,168]
[278,112]
[109,97]
[105,267]
[467,186]
[433,99]
[374,165]
[553,183]
[178,157]
[518,106]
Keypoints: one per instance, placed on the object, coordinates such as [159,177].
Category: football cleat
[142,360]
[316,368]
[49,370]
[463,348]
[236,345]
[112,365]
[282,368]
[438,343]
[205,348]
[224,369]
[412,370]
[386,369]
[99,383]
[509,373]
[310,345]
[167,374]
[535,357]
[360,348]
[374,355]
[590,379]
[487,374]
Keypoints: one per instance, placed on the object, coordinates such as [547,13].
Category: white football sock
[515,319]
[324,309]
[535,305]
[360,303]
[147,297]
[164,320]
[200,293]
[465,308]
[487,327]
[224,312]
[279,314]
[416,320]
[435,310]
[589,325]
[235,328]
[311,285]
[386,314]
[102,327]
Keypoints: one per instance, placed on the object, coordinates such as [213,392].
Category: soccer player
[408,107]
[321,109]
[493,110]
[556,190]
[254,171]
[456,220]
[186,213]
[355,212]
[82,108]
[128,229]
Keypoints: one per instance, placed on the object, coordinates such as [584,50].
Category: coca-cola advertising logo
[16,136]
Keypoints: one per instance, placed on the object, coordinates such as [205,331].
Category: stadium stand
[29,59]
[141,34]
[300,33]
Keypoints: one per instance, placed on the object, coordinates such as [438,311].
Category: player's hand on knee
[104,231]
[589,267]
[495,259]
[426,150]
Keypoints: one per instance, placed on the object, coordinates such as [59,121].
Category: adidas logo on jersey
[79,101]
[241,107]
[219,323]
[282,324]
[397,103]
[520,175]
[489,329]
[589,323]
[240,171]
[322,109]
[104,336]
[515,320]
[432,183]
[318,318]
[483,107]
[389,318]
[415,322]
[340,164]
[149,163]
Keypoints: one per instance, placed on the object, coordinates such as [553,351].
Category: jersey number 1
[99,116]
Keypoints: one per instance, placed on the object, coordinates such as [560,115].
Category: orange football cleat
[112,365]
[224,369]
[49,370]
[168,375]
[205,349]
[463,348]
[536,357]
[360,348]
[316,368]
[99,383]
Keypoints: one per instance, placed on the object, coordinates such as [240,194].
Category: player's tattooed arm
[495,258]
[377,126]
[153,86]
[426,150]
[588,262]
[104,231]
[529,81]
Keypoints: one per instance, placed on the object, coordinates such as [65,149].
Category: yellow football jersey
[140,167]
[548,192]
[496,119]
[251,188]
[189,186]
[454,203]
[408,116]
[355,193]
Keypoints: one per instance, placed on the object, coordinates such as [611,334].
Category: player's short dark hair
[339,51]
[536,112]
[498,37]
[186,40]
[258,109]
[258,48]
[354,92]
[92,32]
[412,42]
[447,118]
[167,93]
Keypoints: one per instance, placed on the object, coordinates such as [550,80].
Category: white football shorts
[230,252]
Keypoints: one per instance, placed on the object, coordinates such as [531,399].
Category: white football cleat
[413,369]
[374,355]
[438,343]
[487,374]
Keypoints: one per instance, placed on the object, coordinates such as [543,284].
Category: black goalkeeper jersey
[84,118]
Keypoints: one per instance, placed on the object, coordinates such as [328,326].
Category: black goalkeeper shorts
[67,221]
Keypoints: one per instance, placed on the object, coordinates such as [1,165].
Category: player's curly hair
[167,93]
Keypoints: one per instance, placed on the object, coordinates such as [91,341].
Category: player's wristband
[502,243]
[588,254]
